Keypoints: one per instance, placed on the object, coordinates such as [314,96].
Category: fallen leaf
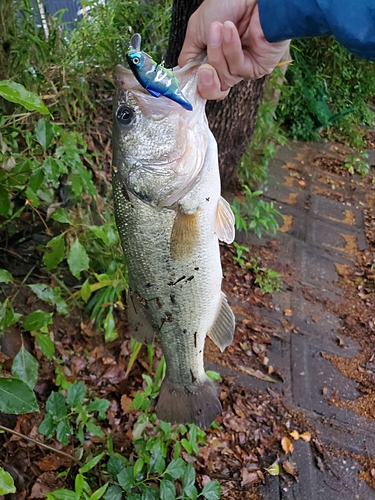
[255,373]
[306,436]
[288,312]
[248,477]
[126,402]
[51,462]
[287,445]
[274,469]
[291,468]
[295,435]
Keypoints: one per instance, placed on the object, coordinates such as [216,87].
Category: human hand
[237,49]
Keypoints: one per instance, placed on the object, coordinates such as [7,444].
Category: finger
[232,50]
[216,57]
[209,85]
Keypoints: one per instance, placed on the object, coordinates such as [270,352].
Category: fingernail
[207,77]
[215,35]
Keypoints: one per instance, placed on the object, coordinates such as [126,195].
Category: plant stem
[39,443]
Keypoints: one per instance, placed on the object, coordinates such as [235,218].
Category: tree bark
[232,120]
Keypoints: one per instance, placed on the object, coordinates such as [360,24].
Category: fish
[170,217]
[153,77]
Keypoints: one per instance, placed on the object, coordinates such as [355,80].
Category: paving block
[336,212]
[335,239]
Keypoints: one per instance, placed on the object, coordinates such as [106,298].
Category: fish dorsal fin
[185,235]
[135,42]
[140,328]
[224,221]
[222,331]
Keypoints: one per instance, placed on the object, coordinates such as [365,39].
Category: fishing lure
[156,79]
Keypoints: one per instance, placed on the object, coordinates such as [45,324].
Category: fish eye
[125,115]
[136,60]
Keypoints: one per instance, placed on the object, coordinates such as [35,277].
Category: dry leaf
[51,462]
[287,445]
[295,435]
[288,312]
[291,468]
[126,402]
[306,436]
[248,477]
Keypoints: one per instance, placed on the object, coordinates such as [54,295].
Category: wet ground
[321,326]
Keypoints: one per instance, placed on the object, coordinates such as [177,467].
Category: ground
[298,381]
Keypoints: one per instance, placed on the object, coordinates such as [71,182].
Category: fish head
[135,58]
[158,146]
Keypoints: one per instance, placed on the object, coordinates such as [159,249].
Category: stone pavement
[319,235]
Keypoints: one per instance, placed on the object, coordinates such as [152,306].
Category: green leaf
[44,133]
[138,400]
[79,484]
[35,181]
[185,443]
[99,493]
[63,432]
[110,333]
[16,397]
[176,468]
[5,277]
[157,462]
[61,215]
[52,259]
[7,316]
[6,483]
[188,482]
[25,367]
[126,478]
[212,491]
[51,296]
[148,492]
[113,493]
[76,394]
[99,405]
[274,469]
[14,92]
[94,429]
[64,494]
[37,320]
[91,463]
[167,490]
[77,259]
[86,291]
[56,405]
[114,466]
[45,343]
[47,427]
[5,203]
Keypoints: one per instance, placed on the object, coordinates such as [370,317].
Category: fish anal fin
[185,235]
[224,227]
[140,328]
[222,331]
[197,404]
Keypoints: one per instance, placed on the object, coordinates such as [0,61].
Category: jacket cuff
[284,19]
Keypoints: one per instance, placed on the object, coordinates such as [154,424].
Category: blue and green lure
[156,79]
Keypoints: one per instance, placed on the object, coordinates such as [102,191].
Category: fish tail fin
[198,404]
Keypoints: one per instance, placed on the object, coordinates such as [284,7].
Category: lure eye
[125,116]
[136,60]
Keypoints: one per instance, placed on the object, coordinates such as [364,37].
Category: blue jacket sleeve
[352,22]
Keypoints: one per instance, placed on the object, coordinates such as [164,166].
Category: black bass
[170,217]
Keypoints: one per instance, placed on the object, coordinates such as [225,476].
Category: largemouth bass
[170,217]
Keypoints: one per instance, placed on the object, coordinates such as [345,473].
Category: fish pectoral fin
[140,328]
[185,235]
[224,221]
[222,331]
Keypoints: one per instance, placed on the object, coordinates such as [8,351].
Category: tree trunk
[232,121]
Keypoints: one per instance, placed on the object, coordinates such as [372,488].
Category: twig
[43,445]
